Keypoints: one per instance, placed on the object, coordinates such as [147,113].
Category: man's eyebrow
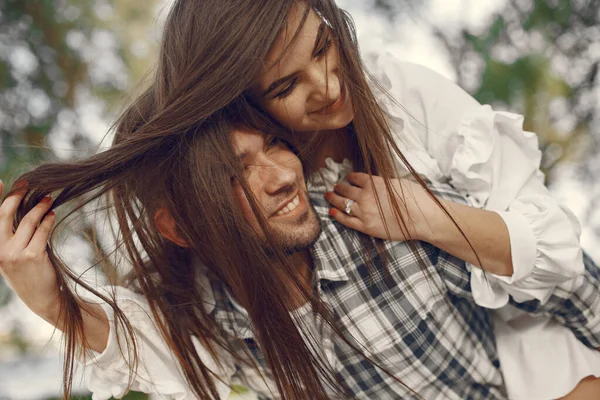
[281,81]
[239,158]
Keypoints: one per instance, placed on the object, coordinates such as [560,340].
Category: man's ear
[165,223]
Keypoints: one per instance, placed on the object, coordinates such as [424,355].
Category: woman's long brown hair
[172,150]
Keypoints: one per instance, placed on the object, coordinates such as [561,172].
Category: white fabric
[487,156]
[158,372]
[540,360]
[448,137]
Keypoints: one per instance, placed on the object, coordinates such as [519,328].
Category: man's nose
[278,178]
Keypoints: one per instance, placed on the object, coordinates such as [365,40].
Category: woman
[317,89]
[529,243]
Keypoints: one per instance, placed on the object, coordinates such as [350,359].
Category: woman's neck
[327,144]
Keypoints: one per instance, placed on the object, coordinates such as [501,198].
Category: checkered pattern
[419,321]
[575,304]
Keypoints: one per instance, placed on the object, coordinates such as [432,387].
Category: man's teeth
[290,206]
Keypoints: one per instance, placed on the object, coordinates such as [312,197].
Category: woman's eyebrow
[281,81]
[320,33]
[278,83]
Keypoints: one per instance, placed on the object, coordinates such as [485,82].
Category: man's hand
[24,262]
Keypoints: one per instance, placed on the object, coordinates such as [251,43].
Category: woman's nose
[325,83]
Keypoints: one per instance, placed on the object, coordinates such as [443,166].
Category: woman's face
[300,85]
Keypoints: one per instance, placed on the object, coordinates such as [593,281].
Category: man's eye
[287,91]
[274,141]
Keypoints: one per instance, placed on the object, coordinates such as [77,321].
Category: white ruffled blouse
[447,137]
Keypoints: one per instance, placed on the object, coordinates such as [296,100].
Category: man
[405,310]
[419,321]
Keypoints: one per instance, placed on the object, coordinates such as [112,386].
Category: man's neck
[302,264]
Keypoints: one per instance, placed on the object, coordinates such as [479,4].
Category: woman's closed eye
[287,90]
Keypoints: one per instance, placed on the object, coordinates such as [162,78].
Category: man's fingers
[8,208]
[30,222]
[42,233]
[340,203]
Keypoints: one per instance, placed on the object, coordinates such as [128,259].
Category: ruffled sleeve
[496,166]
[109,373]
[487,156]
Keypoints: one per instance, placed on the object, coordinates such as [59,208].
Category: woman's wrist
[50,312]
[476,236]
[423,214]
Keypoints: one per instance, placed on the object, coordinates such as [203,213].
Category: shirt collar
[330,252]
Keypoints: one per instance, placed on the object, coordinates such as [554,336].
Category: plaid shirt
[420,322]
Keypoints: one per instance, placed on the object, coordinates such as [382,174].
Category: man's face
[275,177]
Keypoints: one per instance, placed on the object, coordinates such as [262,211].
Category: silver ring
[348,209]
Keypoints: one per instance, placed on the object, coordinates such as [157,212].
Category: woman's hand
[24,262]
[364,213]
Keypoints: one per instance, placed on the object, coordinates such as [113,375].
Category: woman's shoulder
[399,77]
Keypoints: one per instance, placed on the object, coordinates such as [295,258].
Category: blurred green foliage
[54,56]
[128,396]
[54,53]
[39,73]
[539,58]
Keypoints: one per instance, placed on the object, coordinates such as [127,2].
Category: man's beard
[298,237]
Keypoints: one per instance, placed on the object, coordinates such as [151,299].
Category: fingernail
[46,200]
[20,184]
[332,212]
[327,195]
[51,213]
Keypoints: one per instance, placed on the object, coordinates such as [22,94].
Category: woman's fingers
[340,203]
[348,191]
[7,213]
[30,222]
[351,222]
[359,179]
[42,233]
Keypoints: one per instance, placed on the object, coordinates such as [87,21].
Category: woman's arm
[25,265]
[486,241]
[426,221]
[490,160]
